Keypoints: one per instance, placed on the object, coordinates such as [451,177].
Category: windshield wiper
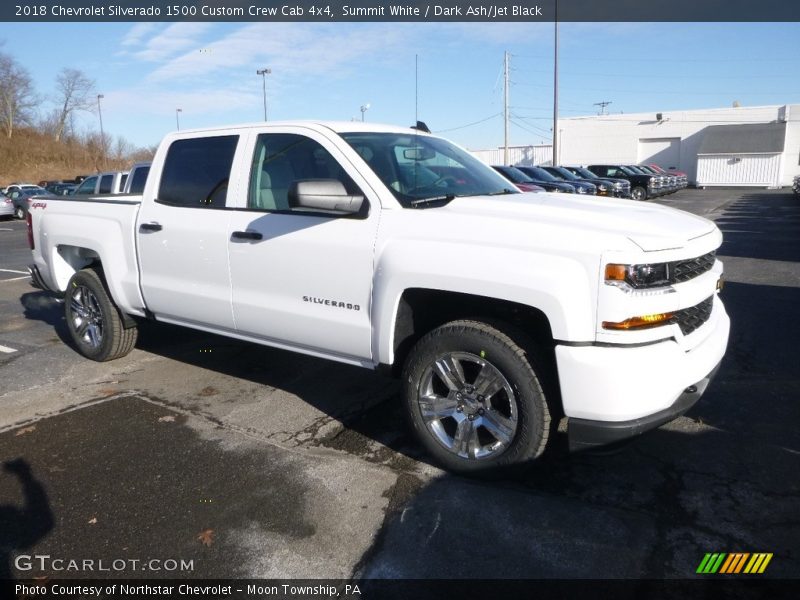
[423,201]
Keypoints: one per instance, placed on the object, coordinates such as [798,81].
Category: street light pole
[177,118]
[264,73]
[102,134]
[364,108]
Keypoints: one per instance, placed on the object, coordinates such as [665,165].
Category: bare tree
[17,97]
[75,92]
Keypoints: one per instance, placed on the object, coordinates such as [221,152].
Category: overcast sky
[321,71]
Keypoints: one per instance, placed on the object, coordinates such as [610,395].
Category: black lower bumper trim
[584,434]
[36,278]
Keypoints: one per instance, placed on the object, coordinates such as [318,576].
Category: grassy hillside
[30,156]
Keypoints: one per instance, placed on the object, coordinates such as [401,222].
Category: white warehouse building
[740,146]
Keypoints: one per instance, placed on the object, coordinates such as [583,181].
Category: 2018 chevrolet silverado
[386,247]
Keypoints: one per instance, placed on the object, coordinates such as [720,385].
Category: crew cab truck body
[388,247]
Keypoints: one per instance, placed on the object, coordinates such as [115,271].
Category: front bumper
[630,389]
[586,433]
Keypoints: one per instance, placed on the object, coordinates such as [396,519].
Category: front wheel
[474,399]
[93,319]
[639,193]
[19,213]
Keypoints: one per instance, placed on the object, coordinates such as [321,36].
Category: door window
[196,172]
[280,159]
[105,184]
[86,187]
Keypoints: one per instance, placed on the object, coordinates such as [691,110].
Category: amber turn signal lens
[642,322]
[616,272]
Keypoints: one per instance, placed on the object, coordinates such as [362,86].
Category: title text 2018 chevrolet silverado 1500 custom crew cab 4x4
[382,246]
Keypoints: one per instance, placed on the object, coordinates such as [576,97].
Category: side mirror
[328,195]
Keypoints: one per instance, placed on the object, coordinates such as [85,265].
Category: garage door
[665,152]
[738,169]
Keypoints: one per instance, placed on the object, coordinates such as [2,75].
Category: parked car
[581,186]
[683,178]
[544,179]
[643,187]
[61,189]
[669,182]
[21,196]
[796,185]
[618,188]
[518,178]
[111,182]
[501,312]
[17,187]
[137,177]
[6,207]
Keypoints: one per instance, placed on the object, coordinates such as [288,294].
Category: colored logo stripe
[759,562]
[711,563]
[733,563]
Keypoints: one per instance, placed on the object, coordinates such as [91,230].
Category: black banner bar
[399,10]
[741,587]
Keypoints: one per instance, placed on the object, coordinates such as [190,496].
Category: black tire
[94,321]
[639,193]
[464,342]
[19,212]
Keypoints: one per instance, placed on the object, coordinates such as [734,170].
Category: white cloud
[137,33]
[173,40]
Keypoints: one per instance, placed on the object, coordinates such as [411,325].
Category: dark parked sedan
[542,178]
[618,188]
[581,186]
[518,178]
[20,199]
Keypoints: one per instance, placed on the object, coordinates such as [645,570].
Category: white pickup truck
[388,247]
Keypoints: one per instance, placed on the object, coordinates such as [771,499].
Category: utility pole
[177,118]
[505,107]
[102,134]
[555,90]
[264,73]
[602,106]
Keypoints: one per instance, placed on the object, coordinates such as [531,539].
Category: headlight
[618,186]
[602,187]
[580,190]
[638,276]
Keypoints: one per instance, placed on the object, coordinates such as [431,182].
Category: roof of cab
[337,126]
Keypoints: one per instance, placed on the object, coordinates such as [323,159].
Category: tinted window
[87,186]
[139,179]
[122,179]
[105,184]
[196,172]
[282,158]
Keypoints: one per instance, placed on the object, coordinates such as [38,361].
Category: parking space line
[6,349]
[15,278]
[13,271]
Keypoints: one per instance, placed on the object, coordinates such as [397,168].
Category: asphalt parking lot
[253,462]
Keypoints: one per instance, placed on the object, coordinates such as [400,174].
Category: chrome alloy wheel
[87,318]
[468,405]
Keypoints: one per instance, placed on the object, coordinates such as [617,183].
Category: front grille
[690,319]
[684,270]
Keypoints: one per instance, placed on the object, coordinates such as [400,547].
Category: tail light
[30,231]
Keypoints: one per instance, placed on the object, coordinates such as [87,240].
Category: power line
[494,116]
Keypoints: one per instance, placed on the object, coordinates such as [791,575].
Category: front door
[299,278]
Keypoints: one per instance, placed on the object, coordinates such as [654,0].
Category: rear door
[182,232]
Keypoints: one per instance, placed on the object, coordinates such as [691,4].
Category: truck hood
[651,227]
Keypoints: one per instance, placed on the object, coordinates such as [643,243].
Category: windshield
[33,191]
[539,174]
[585,173]
[514,174]
[636,170]
[420,167]
[563,173]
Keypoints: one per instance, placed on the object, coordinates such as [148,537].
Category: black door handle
[247,235]
[144,227]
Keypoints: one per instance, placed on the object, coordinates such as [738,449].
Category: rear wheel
[474,399]
[93,319]
[639,193]
[19,213]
